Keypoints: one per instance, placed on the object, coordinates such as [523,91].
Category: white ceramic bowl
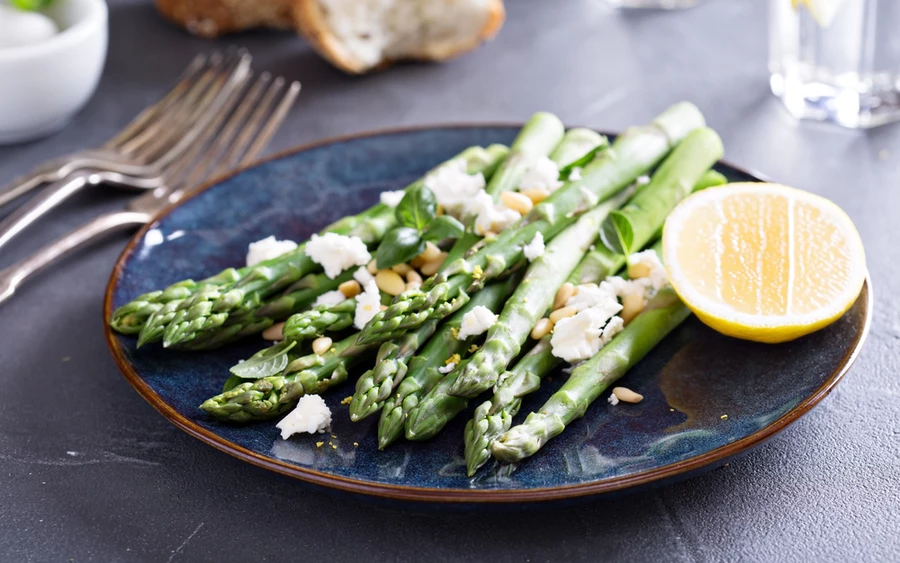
[44,84]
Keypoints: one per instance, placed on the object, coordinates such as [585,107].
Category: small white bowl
[43,85]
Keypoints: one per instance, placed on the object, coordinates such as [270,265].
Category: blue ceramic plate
[690,382]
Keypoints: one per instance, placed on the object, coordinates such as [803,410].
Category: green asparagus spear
[207,309]
[436,408]
[531,299]
[538,137]
[319,320]
[578,143]
[275,395]
[590,379]
[422,373]
[633,153]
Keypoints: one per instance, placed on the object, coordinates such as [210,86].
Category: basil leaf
[417,208]
[399,245]
[443,227]
[232,382]
[270,361]
[582,161]
[617,233]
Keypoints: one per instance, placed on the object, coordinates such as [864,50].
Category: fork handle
[14,275]
[35,208]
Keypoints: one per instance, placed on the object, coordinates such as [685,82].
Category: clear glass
[847,71]
[653,4]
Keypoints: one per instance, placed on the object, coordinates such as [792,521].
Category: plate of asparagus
[473,313]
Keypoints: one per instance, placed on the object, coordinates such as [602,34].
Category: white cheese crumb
[363,276]
[612,328]
[575,174]
[476,322]
[658,277]
[622,287]
[268,248]
[311,415]
[392,199]
[330,298]
[336,252]
[579,337]
[368,304]
[490,216]
[535,248]
[591,295]
[612,399]
[447,368]
[454,187]
[643,180]
[541,173]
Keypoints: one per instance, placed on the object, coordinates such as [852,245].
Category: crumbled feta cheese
[658,277]
[621,287]
[268,248]
[368,304]
[454,187]
[337,252]
[363,276]
[311,415]
[591,295]
[392,199]
[612,399]
[490,216]
[575,174]
[579,337]
[330,298]
[643,180]
[447,368]
[612,328]
[535,248]
[541,173]
[476,322]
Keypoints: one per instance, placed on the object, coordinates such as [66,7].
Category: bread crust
[311,23]
[213,18]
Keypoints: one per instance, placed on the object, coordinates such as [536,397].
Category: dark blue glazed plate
[707,397]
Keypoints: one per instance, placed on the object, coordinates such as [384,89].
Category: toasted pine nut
[413,285]
[413,277]
[542,328]
[274,332]
[350,289]
[517,202]
[372,267]
[562,313]
[390,282]
[566,291]
[321,345]
[382,307]
[536,195]
[626,395]
[431,252]
[431,267]
[417,262]
[639,270]
[632,304]
[401,269]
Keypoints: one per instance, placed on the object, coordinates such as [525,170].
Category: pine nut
[542,328]
[639,270]
[562,313]
[439,211]
[566,291]
[372,267]
[517,202]
[431,252]
[632,304]
[321,345]
[413,285]
[401,269]
[430,268]
[413,277]
[626,395]
[274,332]
[536,195]
[350,289]
[417,262]
[382,307]
[390,282]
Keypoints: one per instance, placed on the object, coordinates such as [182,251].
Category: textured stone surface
[89,471]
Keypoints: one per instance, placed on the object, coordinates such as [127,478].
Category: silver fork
[249,119]
[128,152]
[217,85]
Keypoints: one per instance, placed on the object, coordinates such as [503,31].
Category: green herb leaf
[617,233]
[270,361]
[232,382]
[443,227]
[32,5]
[583,161]
[417,208]
[399,245]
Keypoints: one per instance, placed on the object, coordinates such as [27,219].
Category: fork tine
[146,116]
[271,126]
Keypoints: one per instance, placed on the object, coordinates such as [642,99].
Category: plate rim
[448,495]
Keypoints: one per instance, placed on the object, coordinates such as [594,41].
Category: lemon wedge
[763,262]
[822,11]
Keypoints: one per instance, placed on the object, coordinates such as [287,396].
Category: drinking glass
[836,60]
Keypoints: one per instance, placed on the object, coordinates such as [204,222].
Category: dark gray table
[90,472]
